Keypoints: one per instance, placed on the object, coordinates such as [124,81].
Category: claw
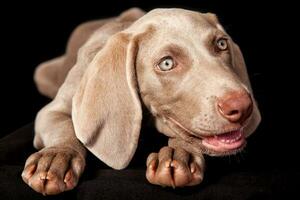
[68,176]
[43,176]
[151,166]
[27,173]
[168,164]
[173,183]
[30,183]
[193,168]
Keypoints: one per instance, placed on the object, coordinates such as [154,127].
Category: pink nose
[235,106]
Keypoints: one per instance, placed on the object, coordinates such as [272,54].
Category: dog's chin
[224,143]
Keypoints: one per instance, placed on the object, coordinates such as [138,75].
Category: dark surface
[224,179]
[266,33]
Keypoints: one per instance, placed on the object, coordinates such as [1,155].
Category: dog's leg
[174,167]
[46,76]
[61,160]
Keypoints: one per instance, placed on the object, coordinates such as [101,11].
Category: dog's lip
[224,142]
[206,133]
[221,142]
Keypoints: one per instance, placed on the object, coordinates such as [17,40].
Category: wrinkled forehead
[186,29]
[176,21]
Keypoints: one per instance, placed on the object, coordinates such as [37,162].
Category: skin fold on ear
[106,109]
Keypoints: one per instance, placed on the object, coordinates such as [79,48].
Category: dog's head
[186,70]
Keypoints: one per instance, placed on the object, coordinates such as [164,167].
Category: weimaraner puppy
[180,65]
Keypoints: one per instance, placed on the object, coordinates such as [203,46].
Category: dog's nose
[235,106]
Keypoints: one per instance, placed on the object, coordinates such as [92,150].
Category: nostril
[225,111]
[233,112]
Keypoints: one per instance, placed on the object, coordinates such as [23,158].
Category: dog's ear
[212,18]
[106,109]
[240,68]
[239,65]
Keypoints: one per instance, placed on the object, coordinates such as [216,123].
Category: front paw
[53,170]
[174,167]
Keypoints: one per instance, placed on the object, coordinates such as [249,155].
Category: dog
[179,64]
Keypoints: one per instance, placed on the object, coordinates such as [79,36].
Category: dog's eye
[166,64]
[222,44]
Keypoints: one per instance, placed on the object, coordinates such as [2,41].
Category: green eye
[166,64]
[222,44]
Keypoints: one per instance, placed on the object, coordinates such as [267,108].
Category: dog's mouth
[222,143]
[225,142]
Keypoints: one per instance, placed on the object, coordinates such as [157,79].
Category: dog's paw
[174,167]
[53,170]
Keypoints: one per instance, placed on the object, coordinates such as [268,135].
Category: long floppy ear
[241,70]
[106,110]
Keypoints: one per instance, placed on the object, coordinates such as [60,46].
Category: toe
[181,173]
[164,173]
[164,169]
[37,183]
[28,172]
[54,184]
[44,163]
[180,163]
[165,153]
[152,163]
[196,174]
[33,159]
[70,180]
[78,165]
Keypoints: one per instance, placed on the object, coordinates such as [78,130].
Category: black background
[33,33]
